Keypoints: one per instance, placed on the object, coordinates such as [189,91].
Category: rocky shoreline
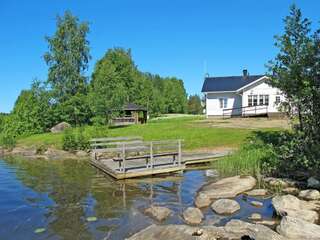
[47,154]
[297,216]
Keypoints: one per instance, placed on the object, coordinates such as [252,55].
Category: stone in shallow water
[255,217]
[202,200]
[310,194]
[158,213]
[256,203]
[257,192]
[228,187]
[193,215]
[225,206]
[292,206]
[294,228]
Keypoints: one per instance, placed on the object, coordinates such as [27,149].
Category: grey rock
[228,187]
[235,229]
[225,206]
[202,200]
[257,192]
[289,205]
[193,215]
[255,217]
[60,127]
[158,213]
[290,190]
[295,228]
[255,231]
[313,183]
[281,182]
[310,194]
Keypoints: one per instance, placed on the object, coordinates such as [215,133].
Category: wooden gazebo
[129,114]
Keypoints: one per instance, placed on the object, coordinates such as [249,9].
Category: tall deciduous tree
[67,59]
[194,105]
[296,72]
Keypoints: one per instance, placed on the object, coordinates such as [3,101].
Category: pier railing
[132,149]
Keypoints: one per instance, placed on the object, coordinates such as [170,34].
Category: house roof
[231,83]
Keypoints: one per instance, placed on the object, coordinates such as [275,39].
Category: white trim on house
[252,83]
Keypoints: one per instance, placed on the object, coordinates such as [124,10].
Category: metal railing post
[151,154]
[179,152]
[123,158]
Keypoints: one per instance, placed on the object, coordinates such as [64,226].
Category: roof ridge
[254,75]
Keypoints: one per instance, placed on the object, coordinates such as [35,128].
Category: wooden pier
[130,157]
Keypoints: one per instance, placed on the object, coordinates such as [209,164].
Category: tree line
[69,95]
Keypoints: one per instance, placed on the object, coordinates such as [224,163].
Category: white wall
[213,104]
[262,88]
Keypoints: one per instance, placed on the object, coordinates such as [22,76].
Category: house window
[223,102]
[255,100]
[266,100]
[249,100]
[277,100]
[261,98]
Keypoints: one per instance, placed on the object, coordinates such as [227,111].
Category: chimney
[245,73]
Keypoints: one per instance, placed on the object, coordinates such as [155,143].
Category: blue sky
[168,37]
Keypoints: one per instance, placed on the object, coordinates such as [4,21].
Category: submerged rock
[225,206]
[193,215]
[294,228]
[255,217]
[202,200]
[257,192]
[256,204]
[158,213]
[289,205]
[228,187]
[310,194]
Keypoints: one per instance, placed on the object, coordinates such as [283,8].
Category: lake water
[58,197]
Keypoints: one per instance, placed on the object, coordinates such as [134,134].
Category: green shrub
[7,141]
[75,139]
[248,160]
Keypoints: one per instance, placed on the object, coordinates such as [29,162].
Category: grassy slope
[195,135]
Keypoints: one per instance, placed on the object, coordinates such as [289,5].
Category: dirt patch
[246,123]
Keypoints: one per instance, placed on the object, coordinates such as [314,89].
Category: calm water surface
[59,196]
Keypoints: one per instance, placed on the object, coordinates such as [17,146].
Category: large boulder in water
[228,187]
[193,215]
[294,228]
[158,213]
[292,206]
[60,127]
[225,206]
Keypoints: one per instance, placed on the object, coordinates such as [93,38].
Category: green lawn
[195,135]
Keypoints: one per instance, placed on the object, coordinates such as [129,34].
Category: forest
[70,95]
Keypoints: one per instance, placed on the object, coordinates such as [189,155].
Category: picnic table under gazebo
[129,114]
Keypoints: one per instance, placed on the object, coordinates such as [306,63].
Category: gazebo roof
[133,107]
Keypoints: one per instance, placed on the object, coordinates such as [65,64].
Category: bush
[74,139]
[7,141]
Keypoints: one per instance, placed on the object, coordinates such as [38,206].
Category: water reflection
[60,195]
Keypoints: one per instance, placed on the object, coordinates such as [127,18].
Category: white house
[246,95]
